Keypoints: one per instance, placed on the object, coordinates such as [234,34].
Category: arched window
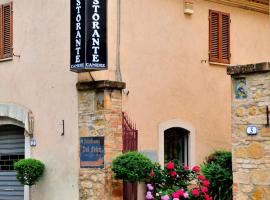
[176,145]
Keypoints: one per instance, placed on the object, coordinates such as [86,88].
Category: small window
[219,37]
[176,145]
[6,31]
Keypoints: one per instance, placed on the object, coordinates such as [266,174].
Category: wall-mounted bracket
[63,126]
[267,116]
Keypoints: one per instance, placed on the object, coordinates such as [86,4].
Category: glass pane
[175,145]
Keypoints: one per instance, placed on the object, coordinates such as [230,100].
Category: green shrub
[132,167]
[218,170]
[29,171]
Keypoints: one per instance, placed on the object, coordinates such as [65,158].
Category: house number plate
[252,130]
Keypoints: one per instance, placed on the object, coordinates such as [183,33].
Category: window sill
[6,59]
[220,64]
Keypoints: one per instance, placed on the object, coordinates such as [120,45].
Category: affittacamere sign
[88,35]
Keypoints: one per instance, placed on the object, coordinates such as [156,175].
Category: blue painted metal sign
[92,152]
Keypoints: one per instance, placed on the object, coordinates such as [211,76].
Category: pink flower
[201,177]
[195,192]
[186,167]
[196,169]
[173,173]
[149,187]
[166,197]
[149,196]
[186,195]
[206,183]
[170,165]
[175,198]
[204,189]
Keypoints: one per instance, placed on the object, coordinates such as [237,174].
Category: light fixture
[188,7]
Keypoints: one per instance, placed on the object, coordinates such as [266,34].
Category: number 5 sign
[252,130]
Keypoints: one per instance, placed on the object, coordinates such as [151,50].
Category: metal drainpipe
[118,75]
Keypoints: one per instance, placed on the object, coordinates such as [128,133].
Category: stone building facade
[251,131]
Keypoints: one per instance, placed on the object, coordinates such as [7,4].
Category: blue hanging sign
[92,152]
[88,35]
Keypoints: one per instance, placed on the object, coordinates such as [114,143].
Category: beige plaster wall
[161,59]
[40,80]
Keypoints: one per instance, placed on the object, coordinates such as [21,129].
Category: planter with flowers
[176,182]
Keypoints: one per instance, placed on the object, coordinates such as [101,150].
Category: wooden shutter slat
[7,30]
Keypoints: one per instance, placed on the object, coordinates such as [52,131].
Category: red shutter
[225,46]
[214,36]
[219,37]
[7,30]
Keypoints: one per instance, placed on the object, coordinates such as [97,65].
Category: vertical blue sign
[92,152]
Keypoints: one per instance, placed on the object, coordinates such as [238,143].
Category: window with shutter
[6,31]
[219,37]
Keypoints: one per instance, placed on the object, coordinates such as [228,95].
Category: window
[6,32]
[219,37]
[176,145]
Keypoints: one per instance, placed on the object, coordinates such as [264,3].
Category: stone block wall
[100,115]
[251,153]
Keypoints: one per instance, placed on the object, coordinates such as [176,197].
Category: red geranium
[196,169]
[195,192]
[206,183]
[180,192]
[186,168]
[175,195]
[173,173]
[207,197]
[170,165]
[204,189]
[152,173]
[201,177]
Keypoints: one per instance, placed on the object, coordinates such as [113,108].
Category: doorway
[176,145]
[12,149]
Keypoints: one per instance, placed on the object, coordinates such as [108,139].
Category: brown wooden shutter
[225,32]
[214,36]
[219,37]
[7,30]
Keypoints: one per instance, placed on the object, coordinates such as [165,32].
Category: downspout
[118,76]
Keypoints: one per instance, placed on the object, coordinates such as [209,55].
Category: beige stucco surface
[40,80]
[164,61]
[163,52]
